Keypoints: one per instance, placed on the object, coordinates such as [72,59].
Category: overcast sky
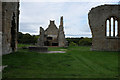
[36,13]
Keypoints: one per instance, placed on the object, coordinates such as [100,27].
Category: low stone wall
[39,49]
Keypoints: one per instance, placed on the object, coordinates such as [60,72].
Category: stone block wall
[10,23]
[0,28]
[97,21]
[52,36]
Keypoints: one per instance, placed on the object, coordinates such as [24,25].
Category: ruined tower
[9,13]
[61,35]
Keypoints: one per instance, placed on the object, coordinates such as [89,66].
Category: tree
[85,42]
[73,44]
[27,38]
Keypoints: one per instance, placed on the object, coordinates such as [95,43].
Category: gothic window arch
[112,28]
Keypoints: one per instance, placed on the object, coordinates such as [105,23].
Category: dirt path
[56,52]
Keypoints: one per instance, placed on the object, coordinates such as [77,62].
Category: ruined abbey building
[52,36]
[104,22]
[9,21]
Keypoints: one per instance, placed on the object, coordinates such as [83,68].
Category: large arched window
[112,27]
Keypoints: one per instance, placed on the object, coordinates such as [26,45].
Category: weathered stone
[61,35]
[52,29]
[52,36]
[0,28]
[41,38]
[9,23]
[98,17]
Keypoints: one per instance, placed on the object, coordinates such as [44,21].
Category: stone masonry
[9,21]
[52,36]
[106,37]
[61,36]
[41,39]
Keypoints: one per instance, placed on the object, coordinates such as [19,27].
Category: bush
[85,42]
[75,40]
[73,44]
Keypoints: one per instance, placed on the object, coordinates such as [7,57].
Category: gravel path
[56,52]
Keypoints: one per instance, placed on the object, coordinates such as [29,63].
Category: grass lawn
[77,62]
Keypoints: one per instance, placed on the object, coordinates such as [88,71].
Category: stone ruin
[9,22]
[104,23]
[106,35]
[52,36]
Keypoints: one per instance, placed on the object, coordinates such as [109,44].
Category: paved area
[56,52]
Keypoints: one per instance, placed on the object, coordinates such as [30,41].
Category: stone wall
[61,35]
[41,37]
[52,29]
[0,28]
[10,22]
[97,21]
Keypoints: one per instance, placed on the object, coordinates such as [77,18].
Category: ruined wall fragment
[10,22]
[61,35]
[97,21]
[41,37]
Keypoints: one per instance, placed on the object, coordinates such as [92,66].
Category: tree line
[27,38]
[79,41]
[32,39]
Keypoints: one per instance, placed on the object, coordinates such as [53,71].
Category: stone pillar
[118,29]
[41,38]
[109,27]
[113,27]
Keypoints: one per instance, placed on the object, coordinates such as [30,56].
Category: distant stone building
[52,36]
[9,21]
[104,22]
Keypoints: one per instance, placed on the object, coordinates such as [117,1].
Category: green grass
[77,62]
[24,45]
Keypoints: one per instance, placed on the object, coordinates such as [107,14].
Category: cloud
[29,28]
[75,14]
[68,0]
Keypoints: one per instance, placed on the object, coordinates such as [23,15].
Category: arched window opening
[107,28]
[116,28]
[112,27]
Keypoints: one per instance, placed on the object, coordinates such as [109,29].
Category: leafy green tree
[85,42]
[75,40]
[73,44]
[27,38]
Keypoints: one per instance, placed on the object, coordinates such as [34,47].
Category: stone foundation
[38,49]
